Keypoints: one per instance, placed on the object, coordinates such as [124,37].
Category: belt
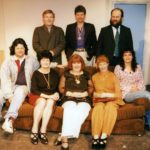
[80,49]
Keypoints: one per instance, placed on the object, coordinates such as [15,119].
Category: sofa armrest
[142,101]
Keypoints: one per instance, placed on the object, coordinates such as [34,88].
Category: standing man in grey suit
[49,37]
[114,38]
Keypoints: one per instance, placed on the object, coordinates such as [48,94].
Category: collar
[21,59]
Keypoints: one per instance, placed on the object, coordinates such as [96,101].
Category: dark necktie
[116,52]
[18,64]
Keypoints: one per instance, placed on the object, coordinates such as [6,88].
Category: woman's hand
[55,96]
[77,94]
[104,95]
[134,88]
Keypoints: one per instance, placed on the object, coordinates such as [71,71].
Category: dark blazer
[43,40]
[106,41]
[90,39]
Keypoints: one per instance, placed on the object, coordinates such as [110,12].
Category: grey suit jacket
[53,40]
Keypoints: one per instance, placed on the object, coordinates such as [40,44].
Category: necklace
[79,33]
[77,79]
[47,81]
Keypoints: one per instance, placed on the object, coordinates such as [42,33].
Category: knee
[70,106]
[99,106]
[50,103]
[41,102]
[22,90]
[110,106]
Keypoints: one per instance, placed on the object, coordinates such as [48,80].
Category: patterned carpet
[21,141]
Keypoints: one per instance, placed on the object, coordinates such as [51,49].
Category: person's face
[80,17]
[116,18]
[19,50]
[103,66]
[45,63]
[127,57]
[76,66]
[48,19]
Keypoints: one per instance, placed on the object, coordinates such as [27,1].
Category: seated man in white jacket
[16,73]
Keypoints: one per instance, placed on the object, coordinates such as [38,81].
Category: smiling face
[19,50]
[116,18]
[45,63]
[103,66]
[127,57]
[80,17]
[76,66]
[48,19]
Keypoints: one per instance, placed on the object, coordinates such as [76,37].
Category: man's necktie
[116,52]
[18,64]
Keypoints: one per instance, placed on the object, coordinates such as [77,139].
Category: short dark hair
[80,8]
[121,10]
[44,54]
[15,43]
[48,11]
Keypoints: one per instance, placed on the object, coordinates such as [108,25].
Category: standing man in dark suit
[81,37]
[49,37]
[115,38]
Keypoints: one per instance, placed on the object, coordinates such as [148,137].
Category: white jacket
[9,72]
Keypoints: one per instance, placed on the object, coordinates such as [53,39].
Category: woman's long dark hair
[133,63]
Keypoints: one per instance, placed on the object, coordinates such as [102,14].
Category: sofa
[130,119]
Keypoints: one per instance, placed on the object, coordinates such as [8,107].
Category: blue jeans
[130,97]
[140,94]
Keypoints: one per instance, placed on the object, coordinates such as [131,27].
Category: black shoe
[57,142]
[102,143]
[95,143]
[34,138]
[43,138]
[64,148]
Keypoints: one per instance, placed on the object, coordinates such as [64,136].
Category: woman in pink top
[131,80]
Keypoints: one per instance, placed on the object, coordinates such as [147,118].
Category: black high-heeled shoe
[103,143]
[43,138]
[95,143]
[64,148]
[57,141]
[34,138]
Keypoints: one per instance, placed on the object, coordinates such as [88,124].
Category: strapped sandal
[95,143]
[43,138]
[34,138]
[103,143]
[57,141]
[64,148]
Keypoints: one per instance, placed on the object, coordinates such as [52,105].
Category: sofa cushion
[128,111]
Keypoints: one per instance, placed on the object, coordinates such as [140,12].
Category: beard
[116,25]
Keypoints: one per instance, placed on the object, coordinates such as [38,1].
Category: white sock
[103,136]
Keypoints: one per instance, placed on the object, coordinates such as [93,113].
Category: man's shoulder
[106,27]
[125,27]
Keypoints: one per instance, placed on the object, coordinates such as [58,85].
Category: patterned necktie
[116,52]
[18,64]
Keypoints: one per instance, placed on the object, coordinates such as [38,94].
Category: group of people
[22,75]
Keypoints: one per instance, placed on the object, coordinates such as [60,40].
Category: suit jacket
[90,39]
[106,41]
[55,41]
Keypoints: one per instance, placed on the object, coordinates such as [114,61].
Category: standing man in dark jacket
[49,37]
[81,37]
[115,38]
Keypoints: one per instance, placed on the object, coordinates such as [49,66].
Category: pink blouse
[128,79]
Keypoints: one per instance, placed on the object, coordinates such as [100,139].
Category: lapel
[86,31]
[74,40]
